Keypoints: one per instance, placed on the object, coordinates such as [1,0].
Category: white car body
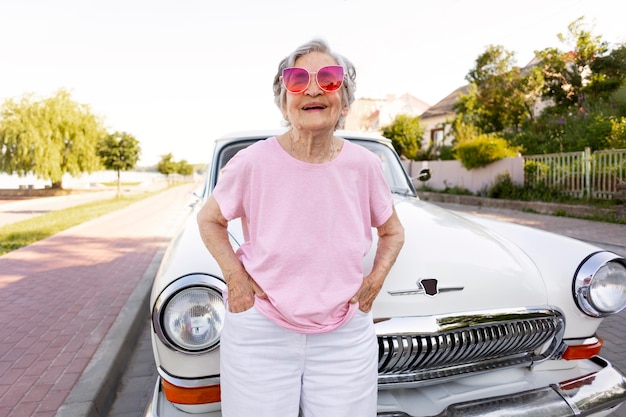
[507,328]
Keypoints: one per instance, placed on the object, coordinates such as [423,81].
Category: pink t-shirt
[306,227]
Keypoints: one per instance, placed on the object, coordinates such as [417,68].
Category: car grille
[465,344]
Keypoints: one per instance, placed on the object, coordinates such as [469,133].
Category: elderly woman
[298,332]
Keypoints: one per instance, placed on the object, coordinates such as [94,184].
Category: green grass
[16,235]
[122,184]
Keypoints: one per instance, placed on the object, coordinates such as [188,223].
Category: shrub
[617,138]
[554,132]
[503,187]
[482,150]
[446,153]
[456,190]
[535,171]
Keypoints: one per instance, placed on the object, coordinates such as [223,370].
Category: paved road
[12,211]
[136,385]
[138,381]
[607,235]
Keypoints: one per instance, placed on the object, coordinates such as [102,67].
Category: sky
[177,74]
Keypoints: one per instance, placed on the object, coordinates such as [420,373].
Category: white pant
[267,371]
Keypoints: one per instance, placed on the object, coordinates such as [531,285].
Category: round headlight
[188,316]
[193,318]
[600,285]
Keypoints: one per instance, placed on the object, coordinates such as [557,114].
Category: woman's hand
[367,293]
[241,292]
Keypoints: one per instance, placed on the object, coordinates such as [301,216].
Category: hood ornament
[426,286]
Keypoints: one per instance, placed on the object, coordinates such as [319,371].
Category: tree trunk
[57,185]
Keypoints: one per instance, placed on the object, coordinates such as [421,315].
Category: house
[368,114]
[436,120]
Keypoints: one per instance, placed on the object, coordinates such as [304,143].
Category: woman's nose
[313,89]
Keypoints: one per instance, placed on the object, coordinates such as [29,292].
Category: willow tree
[49,137]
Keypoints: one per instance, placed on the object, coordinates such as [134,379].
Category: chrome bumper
[587,395]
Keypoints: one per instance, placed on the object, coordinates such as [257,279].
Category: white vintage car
[477,317]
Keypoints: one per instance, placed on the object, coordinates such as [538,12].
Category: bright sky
[178,73]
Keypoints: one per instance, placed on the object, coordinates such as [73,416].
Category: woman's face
[314,109]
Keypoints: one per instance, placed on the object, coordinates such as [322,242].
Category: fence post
[588,188]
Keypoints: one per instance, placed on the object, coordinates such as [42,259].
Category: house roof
[446,106]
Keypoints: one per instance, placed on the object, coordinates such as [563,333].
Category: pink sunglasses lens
[296,80]
[330,78]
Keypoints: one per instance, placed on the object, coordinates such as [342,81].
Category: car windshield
[393,170]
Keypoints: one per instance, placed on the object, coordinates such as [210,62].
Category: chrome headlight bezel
[212,285]
[588,290]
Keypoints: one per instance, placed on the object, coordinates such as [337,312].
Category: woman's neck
[308,147]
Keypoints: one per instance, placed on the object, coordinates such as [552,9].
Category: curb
[94,392]
[617,213]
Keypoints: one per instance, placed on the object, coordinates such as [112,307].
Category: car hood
[475,268]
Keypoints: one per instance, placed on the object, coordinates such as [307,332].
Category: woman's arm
[213,230]
[390,241]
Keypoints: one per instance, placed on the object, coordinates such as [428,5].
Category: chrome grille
[465,344]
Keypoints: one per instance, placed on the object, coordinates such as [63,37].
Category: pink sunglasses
[329,78]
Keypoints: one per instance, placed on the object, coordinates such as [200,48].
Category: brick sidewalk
[60,296]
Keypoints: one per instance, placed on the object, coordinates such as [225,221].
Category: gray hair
[316,45]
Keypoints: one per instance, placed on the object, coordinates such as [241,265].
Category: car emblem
[430,286]
[426,286]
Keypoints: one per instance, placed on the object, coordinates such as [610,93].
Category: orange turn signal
[195,395]
[583,351]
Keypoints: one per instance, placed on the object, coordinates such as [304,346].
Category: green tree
[119,151]
[406,134]
[500,95]
[584,90]
[49,137]
[585,72]
[167,165]
[184,168]
[608,75]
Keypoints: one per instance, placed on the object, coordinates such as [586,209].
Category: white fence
[83,181]
[598,174]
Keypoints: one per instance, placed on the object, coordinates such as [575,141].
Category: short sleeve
[230,191]
[381,201]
